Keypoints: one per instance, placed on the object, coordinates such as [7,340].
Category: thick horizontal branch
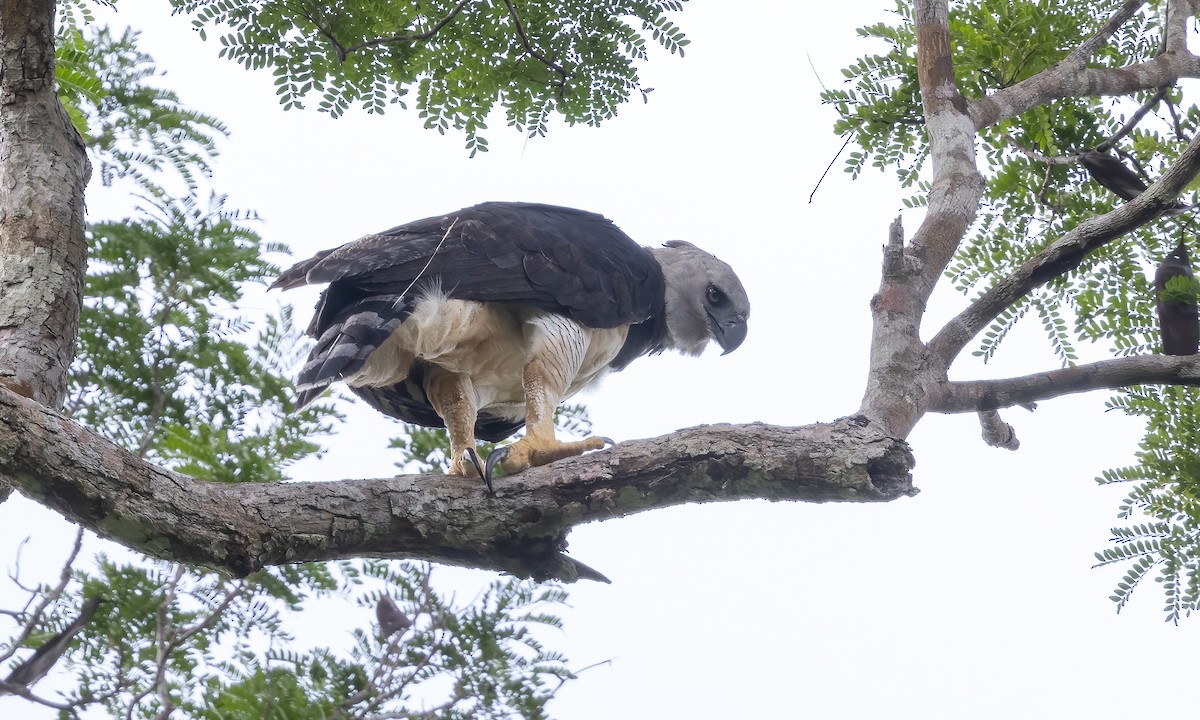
[1065,255]
[521,529]
[983,395]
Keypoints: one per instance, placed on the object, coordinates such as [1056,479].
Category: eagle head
[704,299]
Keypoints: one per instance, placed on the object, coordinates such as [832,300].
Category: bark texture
[43,171]
[521,529]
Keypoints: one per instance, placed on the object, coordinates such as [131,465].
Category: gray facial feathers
[705,299]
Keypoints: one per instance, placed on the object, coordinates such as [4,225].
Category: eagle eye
[715,296]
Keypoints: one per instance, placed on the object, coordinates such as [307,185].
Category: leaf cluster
[1164,539]
[456,60]
[133,129]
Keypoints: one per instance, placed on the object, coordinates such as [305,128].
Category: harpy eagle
[484,319]
[1178,317]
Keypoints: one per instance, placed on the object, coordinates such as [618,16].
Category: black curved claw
[607,440]
[494,457]
[474,458]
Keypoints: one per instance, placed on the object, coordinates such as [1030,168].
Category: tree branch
[1072,77]
[1134,119]
[1175,25]
[957,183]
[983,395]
[398,38]
[1066,254]
[522,529]
[520,28]
[898,377]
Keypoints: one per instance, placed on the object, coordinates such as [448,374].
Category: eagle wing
[562,260]
[567,261]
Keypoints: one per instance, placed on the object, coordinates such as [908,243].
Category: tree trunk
[43,172]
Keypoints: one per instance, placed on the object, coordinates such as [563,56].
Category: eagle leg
[453,397]
[544,382]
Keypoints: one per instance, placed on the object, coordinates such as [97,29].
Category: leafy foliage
[1166,496]
[458,58]
[1036,191]
[132,128]
[1180,289]
[160,350]
[210,647]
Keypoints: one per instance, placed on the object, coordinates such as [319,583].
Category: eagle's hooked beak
[729,332]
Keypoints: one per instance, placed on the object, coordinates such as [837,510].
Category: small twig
[1034,154]
[15,574]
[1180,133]
[512,11]
[849,137]
[400,298]
[401,38]
[1044,198]
[432,255]
[1137,165]
[996,432]
[1134,119]
[237,590]
[817,75]
[576,673]
[50,597]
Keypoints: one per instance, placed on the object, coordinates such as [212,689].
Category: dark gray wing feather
[559,259]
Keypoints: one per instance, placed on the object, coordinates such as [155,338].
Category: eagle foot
[466,463]
[528,452]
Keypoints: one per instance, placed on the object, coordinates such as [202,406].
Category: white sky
[975,599]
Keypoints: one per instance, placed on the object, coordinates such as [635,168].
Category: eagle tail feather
[349,340]
[297,275]
[306,397]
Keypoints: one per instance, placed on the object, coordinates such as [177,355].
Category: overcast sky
[975,599]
